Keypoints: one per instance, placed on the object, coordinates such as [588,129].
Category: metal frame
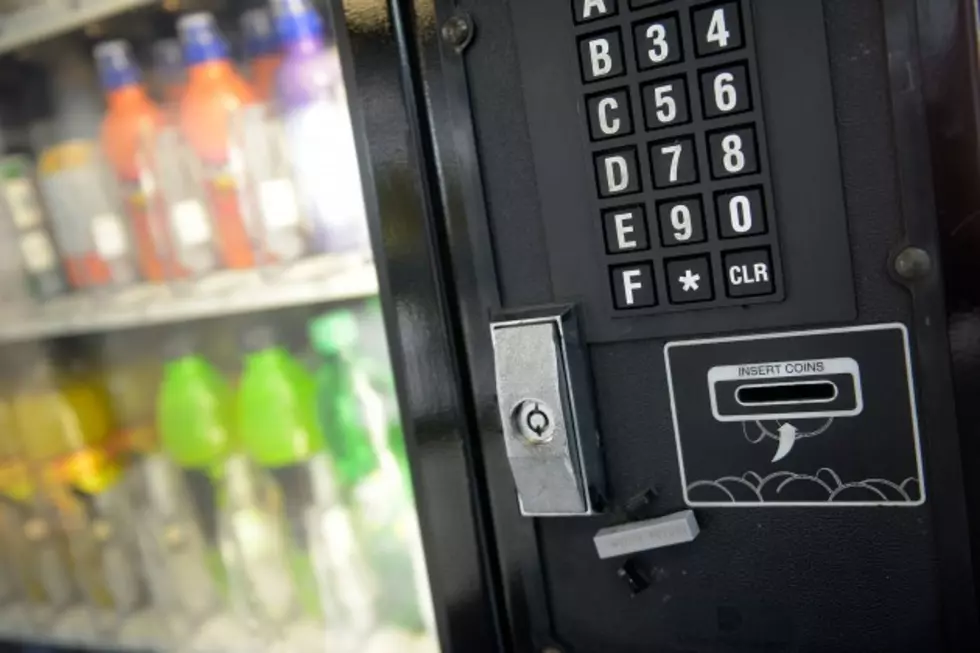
[420,301]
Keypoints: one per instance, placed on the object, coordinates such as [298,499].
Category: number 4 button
[718,28]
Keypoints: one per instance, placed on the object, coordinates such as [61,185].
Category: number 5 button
[665,103]
[718,28]
[725,91]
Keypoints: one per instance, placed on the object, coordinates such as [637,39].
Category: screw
[458,31]
[534,420]
[913,263]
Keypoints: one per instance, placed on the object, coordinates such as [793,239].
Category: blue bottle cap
[201,38]
[117,67]
[296,20]
[260,36]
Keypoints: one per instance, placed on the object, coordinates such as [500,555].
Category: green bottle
[298,499]
[356,426]
[179,512]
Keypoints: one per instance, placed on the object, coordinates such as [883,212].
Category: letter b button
[601,56]
[617,172]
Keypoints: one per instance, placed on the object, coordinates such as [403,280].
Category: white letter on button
[617,174]
[608,127]
[761,272]
[594,4]
[601,61]
[623,229]
[735,275]
[629,285]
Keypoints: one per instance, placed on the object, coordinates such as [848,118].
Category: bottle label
[264,557]
[280,209]
[109,236]
[37,252]
[191,223]
[22,202]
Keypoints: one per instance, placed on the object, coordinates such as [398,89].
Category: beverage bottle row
[181,504]
[224,173]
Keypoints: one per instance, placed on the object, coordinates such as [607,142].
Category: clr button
[748,273]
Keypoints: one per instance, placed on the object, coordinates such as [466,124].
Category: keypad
[685,213]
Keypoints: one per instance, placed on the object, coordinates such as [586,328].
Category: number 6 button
[725,91]
[717,28]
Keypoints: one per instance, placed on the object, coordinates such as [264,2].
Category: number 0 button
[740,213]
[665,103]
[674,162]
[733,152]
[658,42]
[718,28]
[725,91]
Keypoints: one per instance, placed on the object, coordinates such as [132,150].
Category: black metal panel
[785,57]
[794,579]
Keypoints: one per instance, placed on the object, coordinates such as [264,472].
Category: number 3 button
[658,42]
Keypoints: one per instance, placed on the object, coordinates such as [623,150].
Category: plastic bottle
[356,427]
[319,135]
[169,75]
[210,119]
[129,132]
[280,433]
[77,186]
[195,414]
[65,423]
[261,51]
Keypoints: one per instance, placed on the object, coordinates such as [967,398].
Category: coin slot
[772,394]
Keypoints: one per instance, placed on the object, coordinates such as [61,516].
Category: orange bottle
[211,114]
[262,52]
[129,133]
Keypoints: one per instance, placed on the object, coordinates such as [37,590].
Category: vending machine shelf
[318,280]
[31,21]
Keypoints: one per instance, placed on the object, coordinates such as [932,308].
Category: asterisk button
[690,280]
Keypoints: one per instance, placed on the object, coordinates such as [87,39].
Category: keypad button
[674,162]
[617,172]
[625,229]
[733,152]
[718,28]
[741,213]
[601,56]
[609,114]
[589,10]
[681,221]
[633,286]
[689,280]
[665,103]
[658,42]
[725,91]
[748,273]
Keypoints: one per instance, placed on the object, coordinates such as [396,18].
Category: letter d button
[617,172]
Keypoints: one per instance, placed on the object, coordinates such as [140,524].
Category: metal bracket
[545,400]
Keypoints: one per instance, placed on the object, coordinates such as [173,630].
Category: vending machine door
[698,248]
[233,414]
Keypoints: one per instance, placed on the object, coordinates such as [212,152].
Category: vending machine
[489,326]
